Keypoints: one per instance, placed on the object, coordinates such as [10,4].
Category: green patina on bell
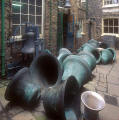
[23,90]
[93,50]
[73,65]
[89,58]
[63,53]
[108,55]
[57,100]
[94,43]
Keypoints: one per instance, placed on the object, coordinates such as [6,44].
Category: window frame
[18,37]
[110,5]
[111,34]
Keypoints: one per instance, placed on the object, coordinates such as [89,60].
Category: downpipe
[3,38]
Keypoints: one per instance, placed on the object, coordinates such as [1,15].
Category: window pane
[24,9]
[15,9]
[38,20]
[110,22]
[110,29]
[32,19]
[115,22]
[39,29]
[24,18]
[32,9]
[14,29]
[22,29]
[105,29]
[32,2]
[116,30]
[16,18]
[38,10]
[106,22]
[24,1]
[39,2]
[114,1]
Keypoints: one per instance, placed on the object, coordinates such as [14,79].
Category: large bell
[67,4]
[26,86]
[29,43]
[73,65]
[46,69]
[23,89]
[107,56]
[57,100]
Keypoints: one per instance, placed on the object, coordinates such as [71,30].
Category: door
[70,33]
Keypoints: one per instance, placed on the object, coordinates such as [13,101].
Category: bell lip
[71,78]
[94,93]
[45,53]
[113,52]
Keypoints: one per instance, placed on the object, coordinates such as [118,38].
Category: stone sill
[19,38]
[82,33]
[117,35]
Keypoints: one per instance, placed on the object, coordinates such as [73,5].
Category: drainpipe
[3,38]
[87,9]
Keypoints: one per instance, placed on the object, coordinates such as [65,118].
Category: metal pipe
[87,9]
[3,38]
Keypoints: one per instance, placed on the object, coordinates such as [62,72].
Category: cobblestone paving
[105,82]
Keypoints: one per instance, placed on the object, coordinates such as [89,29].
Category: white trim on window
[43,18]
[108,26]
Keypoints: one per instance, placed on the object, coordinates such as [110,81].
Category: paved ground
[105,82]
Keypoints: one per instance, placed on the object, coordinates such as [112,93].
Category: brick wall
[95,12]
[79,14]
[51,43]
[51,25]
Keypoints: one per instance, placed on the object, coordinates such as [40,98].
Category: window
[80,30]
[83,0]
[108,2]
[111,25]
[27,11]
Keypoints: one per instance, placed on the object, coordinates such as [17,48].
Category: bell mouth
[46,69]
[93,101]
[71,91]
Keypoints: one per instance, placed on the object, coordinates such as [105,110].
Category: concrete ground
[105,82]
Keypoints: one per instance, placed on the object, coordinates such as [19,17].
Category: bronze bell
[58,99]
[29,43]
[25,88]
